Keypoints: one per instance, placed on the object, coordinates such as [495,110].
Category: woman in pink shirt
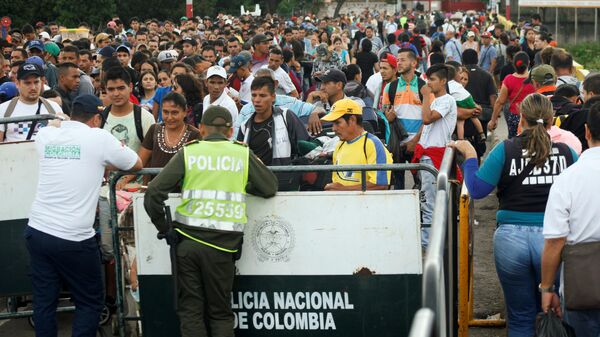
[514,89]
[559,135]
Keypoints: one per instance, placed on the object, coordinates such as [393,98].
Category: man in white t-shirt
[28,103]
[60,236]
[240,66]
[439,119]
[216,82]
[285,87]
[120,121]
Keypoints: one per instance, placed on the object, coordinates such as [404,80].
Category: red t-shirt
[513,84]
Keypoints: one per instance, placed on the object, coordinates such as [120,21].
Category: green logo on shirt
[62,152]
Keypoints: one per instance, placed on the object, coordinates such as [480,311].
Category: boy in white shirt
[439,119]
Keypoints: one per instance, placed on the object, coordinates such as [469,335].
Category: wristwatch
[545,290]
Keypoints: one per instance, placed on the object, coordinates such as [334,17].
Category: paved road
[488,299]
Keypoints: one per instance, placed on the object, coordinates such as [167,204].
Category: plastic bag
[550,325]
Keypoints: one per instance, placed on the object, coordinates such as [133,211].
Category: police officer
[209,223]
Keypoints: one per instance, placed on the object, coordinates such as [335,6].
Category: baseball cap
[101,37]
[471,33]
[236,62]
[486,34]
[216,71]
[44,36]
[216,115]
[107,51]
[28,69]
[52,48]
[35,44]
[167,56]
[333,75]
[259,38]
[111,24]
[543,74]
[391,60]
[36,60]
[190,40]
[343,107]
[124,48]
[183,18]
[8,90]
[88,104]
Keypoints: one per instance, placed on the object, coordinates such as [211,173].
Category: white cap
[216,71]
[167,55]
[471,33]
[44,36]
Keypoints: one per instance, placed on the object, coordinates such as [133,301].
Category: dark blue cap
[88,104]
[8,90]
[36,60]
[107,51]
[237,61]
[35,44]
[28,69]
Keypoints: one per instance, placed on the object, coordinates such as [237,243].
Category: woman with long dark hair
[190,88]
[522,169]
[147,88]
[514,89]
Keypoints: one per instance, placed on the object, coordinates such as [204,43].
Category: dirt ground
[488,299]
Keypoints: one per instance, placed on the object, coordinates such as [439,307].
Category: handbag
[581,275]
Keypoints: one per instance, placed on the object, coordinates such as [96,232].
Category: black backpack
[137,118]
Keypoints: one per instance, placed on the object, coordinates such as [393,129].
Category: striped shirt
[407,105]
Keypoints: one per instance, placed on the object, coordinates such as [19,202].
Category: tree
[71,12]
[338,7]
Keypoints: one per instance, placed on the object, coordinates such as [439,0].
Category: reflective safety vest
[214,186]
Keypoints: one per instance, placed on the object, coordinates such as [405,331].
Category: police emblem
[273,239]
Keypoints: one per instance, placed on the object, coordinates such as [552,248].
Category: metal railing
[121,318]
[30,118]
[12,311]
[438,317]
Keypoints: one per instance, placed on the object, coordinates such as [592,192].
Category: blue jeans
[428,191]
[55,261]
[586,323]
[518,256]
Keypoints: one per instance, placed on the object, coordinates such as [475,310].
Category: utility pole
[189,8]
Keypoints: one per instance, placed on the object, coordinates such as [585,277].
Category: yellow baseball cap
[343,107]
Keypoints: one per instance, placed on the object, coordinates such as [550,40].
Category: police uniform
[216,174]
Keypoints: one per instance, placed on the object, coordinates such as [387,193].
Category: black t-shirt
[358,36]
[366,62]
[261,140]
[481,85]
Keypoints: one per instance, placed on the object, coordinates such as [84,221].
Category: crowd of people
[361,88]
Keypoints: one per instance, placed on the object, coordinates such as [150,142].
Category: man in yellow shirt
[356,147]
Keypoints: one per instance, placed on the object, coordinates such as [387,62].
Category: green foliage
[71,12]
[98,12]
[586,53]
[286,7]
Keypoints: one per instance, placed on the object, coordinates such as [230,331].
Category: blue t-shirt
[158,97]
